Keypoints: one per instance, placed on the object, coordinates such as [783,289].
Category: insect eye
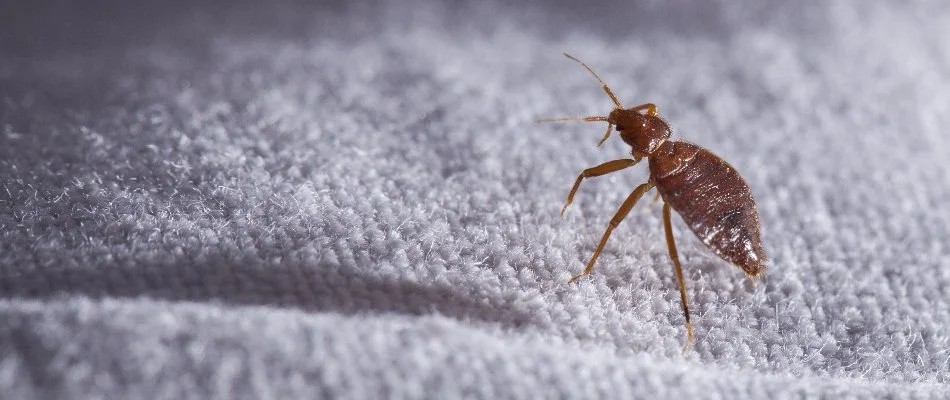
[619,128]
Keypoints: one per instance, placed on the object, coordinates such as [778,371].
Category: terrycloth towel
[242,200]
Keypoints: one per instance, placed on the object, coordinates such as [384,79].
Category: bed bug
[707,192]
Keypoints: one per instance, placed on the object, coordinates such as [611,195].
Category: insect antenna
[565,119]
[584,119]
[602,84]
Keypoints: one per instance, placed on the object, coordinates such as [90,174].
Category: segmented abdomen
[714,200]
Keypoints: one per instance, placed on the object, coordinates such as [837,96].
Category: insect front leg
[621,214]
[671,245]
[602,169]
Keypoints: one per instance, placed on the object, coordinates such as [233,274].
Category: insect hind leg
[671,246]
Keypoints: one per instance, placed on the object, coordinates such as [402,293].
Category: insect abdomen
[714,200]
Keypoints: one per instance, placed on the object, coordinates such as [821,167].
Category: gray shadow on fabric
[323,288]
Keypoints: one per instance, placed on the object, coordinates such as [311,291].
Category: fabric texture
[352,200]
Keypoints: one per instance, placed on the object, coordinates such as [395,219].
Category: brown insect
[708,193]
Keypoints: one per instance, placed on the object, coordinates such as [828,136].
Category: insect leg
[602,169]
[671,245]
[650,107]
[621,214]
